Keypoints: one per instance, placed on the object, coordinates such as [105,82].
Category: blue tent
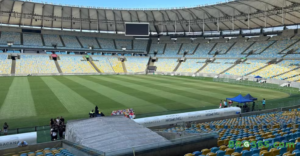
[257,77]
[239,99]
[248,96]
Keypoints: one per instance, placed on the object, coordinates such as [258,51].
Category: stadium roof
[231,15]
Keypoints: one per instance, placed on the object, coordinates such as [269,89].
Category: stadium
[185,81]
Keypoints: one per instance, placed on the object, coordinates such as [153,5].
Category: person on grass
[221,103]
[264,103]
[5,128]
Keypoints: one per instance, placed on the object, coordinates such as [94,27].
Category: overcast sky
[134,3]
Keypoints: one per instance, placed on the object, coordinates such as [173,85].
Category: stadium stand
[222,47]
[202,50]
[280,45]
[275,69]
[70,41]
[10,36]
[5,67]
[106,43]
[32,40]
[189,47]
[218,66]
[191,65]
[32,64]
[157,47]
[166,65]
[236,50]
[120,43]
[103,64]
[258,47]
[171,50]
[136,64]
[272,127]
[116,64]
[246,67]
[295,47]
[74,64]
[48,152]
[49,39]
[88,41]
[290,76]
[140,44]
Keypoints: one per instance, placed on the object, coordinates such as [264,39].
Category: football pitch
[32,101]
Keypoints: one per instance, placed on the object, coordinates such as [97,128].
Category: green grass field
[32,101]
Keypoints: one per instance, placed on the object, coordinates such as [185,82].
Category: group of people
[58,128]
[224,104]
[96,113]
[245,107]
[128,113]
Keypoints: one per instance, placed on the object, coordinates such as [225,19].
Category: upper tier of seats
[14,37]
[120,43]
[157,47]
[88,41]
[237,49]
[188,47]
[106,43]
[222,47]
[71,41]
[32,40]
[218,66]
[140,44]
[52,39]
[171,50]
[203,50]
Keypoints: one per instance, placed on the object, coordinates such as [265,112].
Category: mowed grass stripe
[45,101]
[202,97]
[73,101]
[94,97]
[238,89]
[180,96]
[18,102]
[193,88]
[4,85]
[126,100]
[145,93]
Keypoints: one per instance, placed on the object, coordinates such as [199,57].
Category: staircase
[57,66]
[196,48]
[42,37]
[228,69]
[201,68]
[92,63]
[13,66]
[290,46]
[178,65]
[257,69]
[212,48]
[180,48]
[79,42]
[248,48]
[124,67]
[62,41]
[285,72]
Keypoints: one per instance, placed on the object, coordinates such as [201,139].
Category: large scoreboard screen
[136,29]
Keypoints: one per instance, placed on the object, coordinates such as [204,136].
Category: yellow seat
[205,151]
[229,151]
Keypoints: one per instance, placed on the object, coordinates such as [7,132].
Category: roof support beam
[204,13]
[163,17]
[147,17]
[11,10]
[20,21]
[90,22]
[137,16]
[62,18]
[174,26]
[106,20]
[32,14]
[98,21]
[115,22]
[53,7]
[123,20]
[71,18]
[155,26]
[179,22]
[194,18]
[43,12]
[188,19]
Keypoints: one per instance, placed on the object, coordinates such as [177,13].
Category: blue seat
[255,150]
[246,153]
[220,153]
[197,153]
[214,149]
[282,150]
[238,149]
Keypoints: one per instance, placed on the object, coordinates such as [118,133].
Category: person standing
[253,105]
[221,103]
[96,111]
[5,128]
[91,113]
[62,120]
[264,103]
[225,103]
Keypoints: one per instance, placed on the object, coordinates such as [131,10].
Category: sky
[134,3]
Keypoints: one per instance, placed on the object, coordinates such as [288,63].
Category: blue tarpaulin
[239,99]
[248,96]
[257,77]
